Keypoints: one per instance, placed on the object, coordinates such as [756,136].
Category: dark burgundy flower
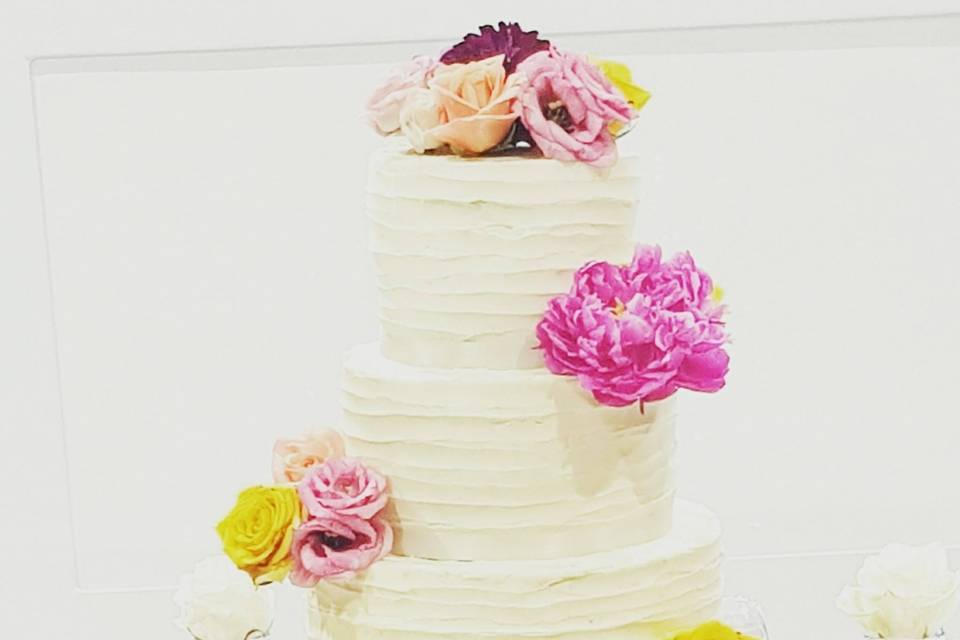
[507,38]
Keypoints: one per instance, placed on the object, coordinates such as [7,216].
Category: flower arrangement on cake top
[321,519]
[638,332]
[505,88]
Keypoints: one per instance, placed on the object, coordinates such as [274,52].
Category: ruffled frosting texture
[469,251]
[645,591]
[521,507]
[498,465]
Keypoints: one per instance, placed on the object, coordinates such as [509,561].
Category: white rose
[219,602]
[419,116]
[906,593]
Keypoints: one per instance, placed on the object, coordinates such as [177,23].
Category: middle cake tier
[507,464]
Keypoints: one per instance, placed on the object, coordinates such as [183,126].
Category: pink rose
[337,545]
[475,102]
[293,457]
[637,332]
[343,487]
[567,105]
[383,107]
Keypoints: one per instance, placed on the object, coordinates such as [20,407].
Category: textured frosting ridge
[643,591]
[468,251]
[476,457]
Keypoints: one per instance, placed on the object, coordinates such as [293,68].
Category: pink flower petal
[344,487]
[586,96]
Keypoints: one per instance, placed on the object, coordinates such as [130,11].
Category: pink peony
[292,458]
[337,545]
[343,487]
[637,332]
[383,107]
[568,106]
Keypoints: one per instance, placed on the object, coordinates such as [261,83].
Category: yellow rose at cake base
[713,630]
[258,532]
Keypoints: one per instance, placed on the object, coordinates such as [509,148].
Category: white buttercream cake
[469,250]
[522,508]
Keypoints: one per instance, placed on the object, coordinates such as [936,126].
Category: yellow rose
[258,531]
[712,630]
[619,75]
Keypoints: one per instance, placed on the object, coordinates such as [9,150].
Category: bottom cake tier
[644,592]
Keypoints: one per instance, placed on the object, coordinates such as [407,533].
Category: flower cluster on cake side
[503,89]
[321,519]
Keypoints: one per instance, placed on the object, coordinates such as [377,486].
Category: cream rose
[419,116]
[904,593]
[475,103]
[219,602]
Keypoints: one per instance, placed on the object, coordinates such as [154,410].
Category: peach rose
[292,458]
[476,104]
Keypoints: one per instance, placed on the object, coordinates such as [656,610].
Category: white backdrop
[208,266]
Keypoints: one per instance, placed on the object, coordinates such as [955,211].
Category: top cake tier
[469,250]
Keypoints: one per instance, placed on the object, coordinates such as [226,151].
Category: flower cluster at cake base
[637,332]
[503,89]
[322,519]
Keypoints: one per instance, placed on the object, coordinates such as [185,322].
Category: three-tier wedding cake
[521,506]
[505,467]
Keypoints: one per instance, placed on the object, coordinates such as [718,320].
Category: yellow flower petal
[620,76]
[258,532]
[712,630]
